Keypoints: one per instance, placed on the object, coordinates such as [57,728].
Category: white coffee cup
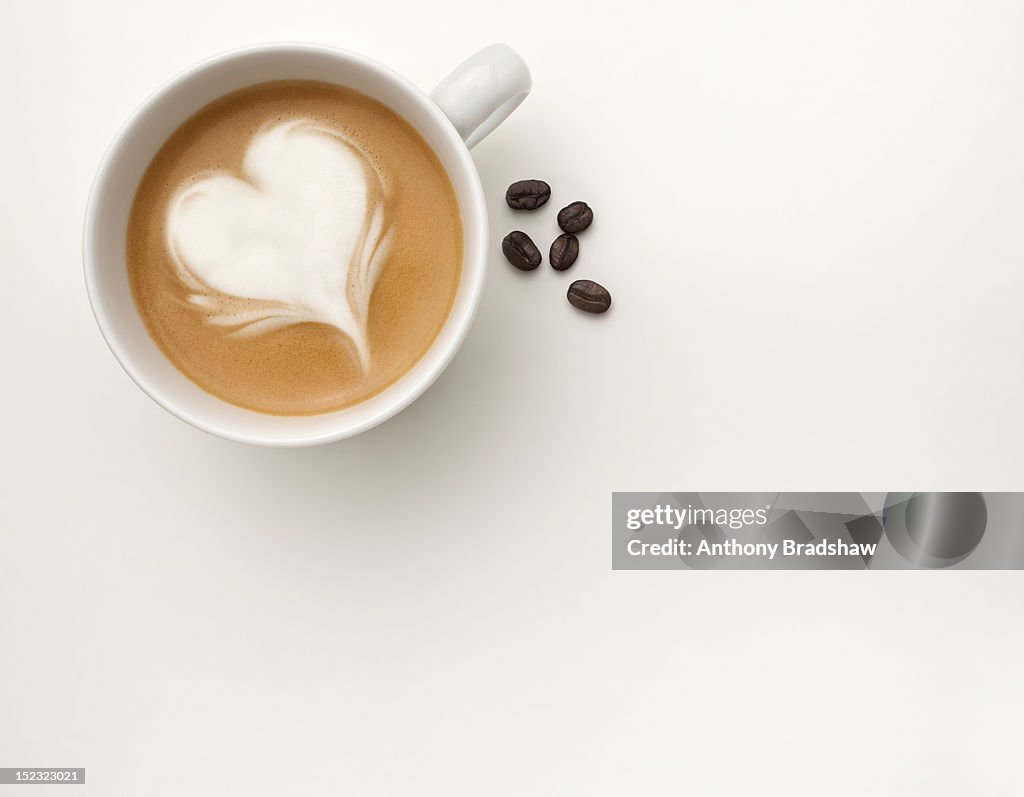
[462,110]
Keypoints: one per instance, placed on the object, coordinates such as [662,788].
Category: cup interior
[121,172]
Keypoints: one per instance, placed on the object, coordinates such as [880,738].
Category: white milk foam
[302,232]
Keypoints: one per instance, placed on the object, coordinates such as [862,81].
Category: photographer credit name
[732,547]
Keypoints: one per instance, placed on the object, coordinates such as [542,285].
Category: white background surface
[809,215]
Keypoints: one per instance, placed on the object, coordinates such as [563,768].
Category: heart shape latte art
[301,236]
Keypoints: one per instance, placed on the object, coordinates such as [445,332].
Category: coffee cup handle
[480,93]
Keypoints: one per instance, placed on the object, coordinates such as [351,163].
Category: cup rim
[474,259]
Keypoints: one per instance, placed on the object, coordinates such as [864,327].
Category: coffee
[295,247]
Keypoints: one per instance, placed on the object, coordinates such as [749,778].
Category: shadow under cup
[121,172]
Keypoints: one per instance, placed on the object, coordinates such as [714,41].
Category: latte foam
[303,230]
[295,247]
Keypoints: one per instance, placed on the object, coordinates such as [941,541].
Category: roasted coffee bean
[521,251]
[588,296]
[527,194]
[564,251]
[575,217]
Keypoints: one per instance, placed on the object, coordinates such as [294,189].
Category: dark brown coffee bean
[575,217]
[527,194]
[564,251]
[521,251]
[588,296]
